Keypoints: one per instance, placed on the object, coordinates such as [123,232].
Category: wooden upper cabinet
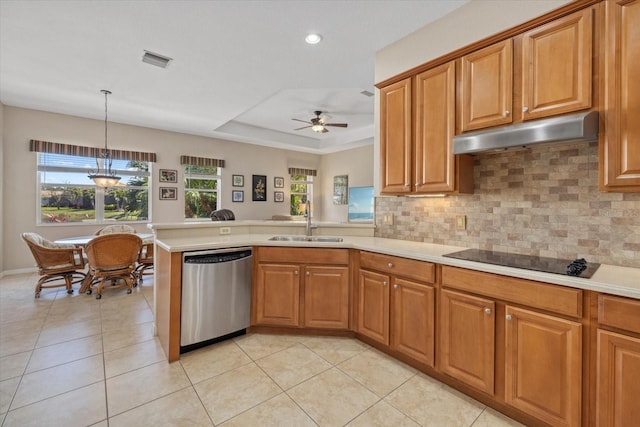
[434,162]
[486,87]
[396,137]
[556,66]
[620,147]
[543,363]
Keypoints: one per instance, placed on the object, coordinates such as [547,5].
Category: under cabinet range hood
[582,127]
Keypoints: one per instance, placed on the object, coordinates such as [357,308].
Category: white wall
[357,164]
[19,177]
[2,218]
[474,21]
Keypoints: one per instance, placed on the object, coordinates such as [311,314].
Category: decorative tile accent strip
[541,201]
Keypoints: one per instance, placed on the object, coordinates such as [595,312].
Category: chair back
[222,215]
[116,228]
[113,251]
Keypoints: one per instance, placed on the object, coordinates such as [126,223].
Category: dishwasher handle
[216,256]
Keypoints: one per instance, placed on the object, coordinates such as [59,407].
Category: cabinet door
[373,306]
[556,66]
[618,385]
[277,297]
[395,137]
[412,320]
[326,297]
[486,78]
[434,162]
[543,362]
[467,338]
[620,149]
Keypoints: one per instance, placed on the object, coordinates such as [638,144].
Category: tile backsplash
[541,201]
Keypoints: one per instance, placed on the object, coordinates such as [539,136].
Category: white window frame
[308,194]
[42,169]
[218,191]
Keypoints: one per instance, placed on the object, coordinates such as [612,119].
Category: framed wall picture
[278,196]
[238,181]
[168,175]
[259,188]
[340,193]
[168,193]
[361,204]
[278,182]
[237,196]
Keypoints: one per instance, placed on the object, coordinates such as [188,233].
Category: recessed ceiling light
[156,59]
[313,38]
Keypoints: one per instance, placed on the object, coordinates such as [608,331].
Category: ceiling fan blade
[303,127]
[303,121]
[340,125]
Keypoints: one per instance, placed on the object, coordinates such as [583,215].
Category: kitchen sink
[306,239]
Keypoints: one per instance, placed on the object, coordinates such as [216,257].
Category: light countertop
[615,280]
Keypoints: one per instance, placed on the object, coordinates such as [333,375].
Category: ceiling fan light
[317,128]
[313,38]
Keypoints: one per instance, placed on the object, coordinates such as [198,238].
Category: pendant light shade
[104,176]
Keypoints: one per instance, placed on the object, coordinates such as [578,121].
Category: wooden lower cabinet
[618,379]
[326,297]
[467,339]
[373,306]
[301,287]
[277,296]
[543,363]
[412,320]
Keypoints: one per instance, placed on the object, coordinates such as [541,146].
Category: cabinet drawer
[558,299]
[303,255]
[418,270]
[619,312]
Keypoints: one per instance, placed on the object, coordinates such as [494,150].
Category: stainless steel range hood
[582,127]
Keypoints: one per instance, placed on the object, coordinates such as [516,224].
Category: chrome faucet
[307,212]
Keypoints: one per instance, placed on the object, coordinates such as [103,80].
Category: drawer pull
[395,286]
[390,265]
[308,274]
[487,311]
[508,317]
[384,283]
[295,272]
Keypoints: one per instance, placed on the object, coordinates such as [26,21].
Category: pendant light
[104,176]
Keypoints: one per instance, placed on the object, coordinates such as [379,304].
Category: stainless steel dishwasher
[216,296]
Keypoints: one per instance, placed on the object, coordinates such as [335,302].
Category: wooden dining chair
[112,259]
[145,261]
[58,264]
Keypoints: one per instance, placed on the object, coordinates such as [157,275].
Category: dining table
[84,240]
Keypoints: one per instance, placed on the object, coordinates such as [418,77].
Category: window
[67,195]
[201,190]
[301,191]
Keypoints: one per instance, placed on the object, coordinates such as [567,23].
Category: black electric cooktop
[578,267]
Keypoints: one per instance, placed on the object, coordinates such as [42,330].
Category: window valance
[201,161]
[301,171]
[77,150]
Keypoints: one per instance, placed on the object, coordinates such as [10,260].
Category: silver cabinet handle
[384,283]
[390,265]
[395,286]
[487,310]
[508,317]
[506,113]
[295,272]
[308,274]
[525,109]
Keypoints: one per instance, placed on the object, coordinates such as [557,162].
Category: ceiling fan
[317,124]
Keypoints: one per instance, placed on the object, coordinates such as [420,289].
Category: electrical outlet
[387,219]
[461,222]
[225,230]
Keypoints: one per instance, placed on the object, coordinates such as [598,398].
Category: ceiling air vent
[367,93]
[156,59]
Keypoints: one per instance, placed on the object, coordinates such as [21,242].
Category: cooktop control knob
[576,267]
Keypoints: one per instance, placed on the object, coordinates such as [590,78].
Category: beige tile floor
[72,360]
